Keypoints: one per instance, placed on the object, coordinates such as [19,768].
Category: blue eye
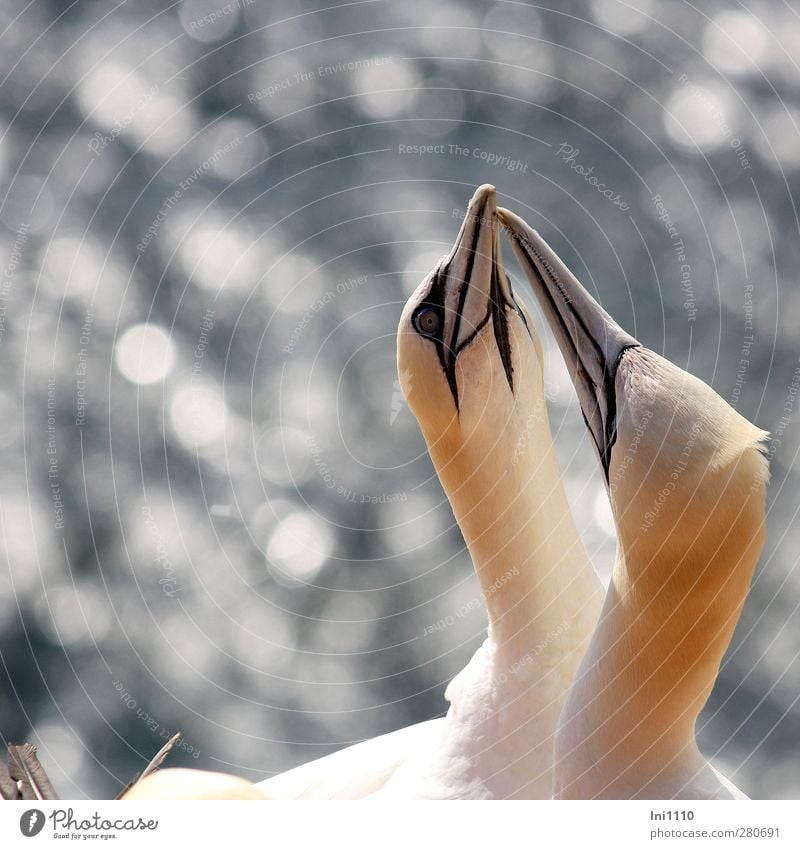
[427,321]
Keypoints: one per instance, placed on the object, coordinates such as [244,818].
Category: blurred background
[217,513]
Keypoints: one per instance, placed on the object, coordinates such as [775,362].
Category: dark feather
[25,769]
[153,765]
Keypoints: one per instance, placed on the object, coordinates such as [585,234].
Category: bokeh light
[144,354]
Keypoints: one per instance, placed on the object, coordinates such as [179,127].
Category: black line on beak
[500,322]
[448,354]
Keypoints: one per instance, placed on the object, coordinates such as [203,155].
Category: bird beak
[472,287]
[470,268]
[591,342]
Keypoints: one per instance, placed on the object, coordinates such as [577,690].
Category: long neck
[513,512]
[669,615]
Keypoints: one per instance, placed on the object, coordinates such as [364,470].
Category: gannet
[471,369]
[686,476]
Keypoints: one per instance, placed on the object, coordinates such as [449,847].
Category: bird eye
[427,321]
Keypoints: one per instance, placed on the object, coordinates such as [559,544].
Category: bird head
[685,472]
[467,353]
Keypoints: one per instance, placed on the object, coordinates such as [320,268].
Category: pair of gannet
[686,479]
[472,370]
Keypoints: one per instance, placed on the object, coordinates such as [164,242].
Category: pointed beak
[477,261]
[470,268]
[471,288]
[591,342]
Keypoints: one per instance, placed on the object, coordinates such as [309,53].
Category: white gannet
[471,369]
[686,477]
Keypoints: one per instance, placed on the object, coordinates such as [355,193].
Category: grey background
[250,547]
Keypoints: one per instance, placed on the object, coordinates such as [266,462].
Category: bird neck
[667,621]
[515,518]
